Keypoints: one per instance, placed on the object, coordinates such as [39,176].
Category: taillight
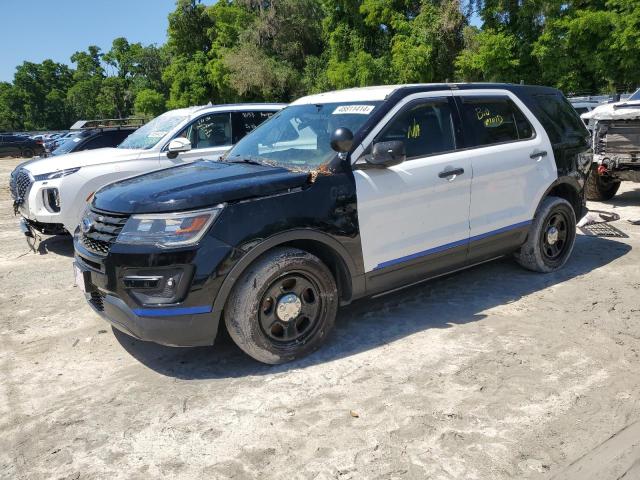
[39,142]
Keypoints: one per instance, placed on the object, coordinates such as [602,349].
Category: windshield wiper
[250,160]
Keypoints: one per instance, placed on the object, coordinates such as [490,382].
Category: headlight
[58,174]
[168,229]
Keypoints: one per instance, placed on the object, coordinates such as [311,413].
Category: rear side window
[246,122]
[426,128]
[492,120]
[559,119]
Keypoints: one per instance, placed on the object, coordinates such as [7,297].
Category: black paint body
[267,207]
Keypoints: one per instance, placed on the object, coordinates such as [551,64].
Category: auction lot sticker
[350,109]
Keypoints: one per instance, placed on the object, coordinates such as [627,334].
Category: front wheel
[283,306]
[552,235]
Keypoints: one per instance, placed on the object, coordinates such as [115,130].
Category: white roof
[614,111]
[362,94]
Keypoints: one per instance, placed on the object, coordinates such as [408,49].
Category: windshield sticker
[157,134]
[350,109]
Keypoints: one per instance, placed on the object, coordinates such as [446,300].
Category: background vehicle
[19,146]
[616,147]
[51,193]
[340,196]
[97,134]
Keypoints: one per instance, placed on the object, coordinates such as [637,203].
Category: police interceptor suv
[339,196]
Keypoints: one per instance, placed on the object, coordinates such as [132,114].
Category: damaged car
[616,147]
[340,196]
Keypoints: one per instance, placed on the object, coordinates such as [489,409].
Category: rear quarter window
[493,120]
[560,120]
[246,122]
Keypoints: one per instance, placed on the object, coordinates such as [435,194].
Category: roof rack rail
[109,122]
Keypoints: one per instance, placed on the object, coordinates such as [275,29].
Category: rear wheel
[551,237]
[283,306]
[27,153]
[601,187]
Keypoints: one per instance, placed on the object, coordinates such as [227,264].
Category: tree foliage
[277,50]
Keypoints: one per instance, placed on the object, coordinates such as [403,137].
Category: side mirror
[342,140]
[387,154]
[178,145]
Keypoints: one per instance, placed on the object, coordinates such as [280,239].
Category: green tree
[87,82]
[150,103]
[9,108]
[488,56]
[42,90]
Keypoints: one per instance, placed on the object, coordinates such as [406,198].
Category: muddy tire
[27,153]
[599,188]
[552,235]
[283,306]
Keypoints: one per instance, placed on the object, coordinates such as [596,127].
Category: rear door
[513,165]
[414,217]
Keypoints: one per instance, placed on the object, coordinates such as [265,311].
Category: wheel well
[570,194]
[331,259]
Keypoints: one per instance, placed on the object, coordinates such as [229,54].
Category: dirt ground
[491,373]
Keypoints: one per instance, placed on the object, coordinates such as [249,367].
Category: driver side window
[426,128]
[210,131]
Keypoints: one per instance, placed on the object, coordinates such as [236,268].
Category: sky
[34,30]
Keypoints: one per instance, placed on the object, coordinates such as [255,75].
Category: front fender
[290,237]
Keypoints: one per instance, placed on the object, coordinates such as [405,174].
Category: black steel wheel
[27,153]
[551,237]
[283,306]
[554,235]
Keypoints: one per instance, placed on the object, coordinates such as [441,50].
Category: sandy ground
[492,373]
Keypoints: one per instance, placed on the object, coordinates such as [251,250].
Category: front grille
[97,300]
[102,229]
[20,183]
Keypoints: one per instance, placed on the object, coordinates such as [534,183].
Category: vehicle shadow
[627,198]
[58,244]
[453,300]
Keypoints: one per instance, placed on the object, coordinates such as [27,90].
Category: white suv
[51,193]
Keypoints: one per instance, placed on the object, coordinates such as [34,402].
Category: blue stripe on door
[448,246]
[169,312]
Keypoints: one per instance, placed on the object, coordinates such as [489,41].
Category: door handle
[451,173]
[537,154]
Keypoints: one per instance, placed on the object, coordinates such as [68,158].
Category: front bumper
[188,322]
[190,330]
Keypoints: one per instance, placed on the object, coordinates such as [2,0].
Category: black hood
[195,185]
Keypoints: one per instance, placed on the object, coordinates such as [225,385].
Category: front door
[414,217]
[210,137]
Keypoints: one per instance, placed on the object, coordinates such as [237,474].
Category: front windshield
[299,136]
[635,96]
[150,134]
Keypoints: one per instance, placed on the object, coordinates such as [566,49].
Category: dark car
[12,145]
[340,196]
[94,138]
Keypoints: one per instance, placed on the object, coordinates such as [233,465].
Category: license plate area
[82,279]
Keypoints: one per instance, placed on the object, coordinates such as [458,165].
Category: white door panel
[408,211]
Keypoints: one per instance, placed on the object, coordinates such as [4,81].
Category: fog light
[51,199]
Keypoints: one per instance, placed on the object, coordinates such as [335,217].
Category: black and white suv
[340,196]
